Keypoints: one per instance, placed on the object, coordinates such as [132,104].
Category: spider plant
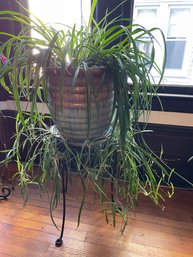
[121,157]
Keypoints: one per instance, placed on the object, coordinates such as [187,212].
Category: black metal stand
[5,193]
[64,176]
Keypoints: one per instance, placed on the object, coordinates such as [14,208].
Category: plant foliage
[122,158]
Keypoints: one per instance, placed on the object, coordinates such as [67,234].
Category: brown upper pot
[81,108]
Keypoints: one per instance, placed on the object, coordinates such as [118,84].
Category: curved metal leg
[64,177]
[5,193]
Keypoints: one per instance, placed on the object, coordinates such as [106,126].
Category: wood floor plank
[27,231]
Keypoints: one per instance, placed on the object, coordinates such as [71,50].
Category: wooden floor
[27,231]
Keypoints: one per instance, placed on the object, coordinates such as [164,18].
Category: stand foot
[64,176]
[6,192]
[58,242]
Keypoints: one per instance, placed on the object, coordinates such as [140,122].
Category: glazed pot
[81,107]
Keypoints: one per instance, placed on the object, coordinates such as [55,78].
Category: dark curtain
[6,122]
[124,11]
[10,27]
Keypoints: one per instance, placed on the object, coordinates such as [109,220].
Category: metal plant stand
[64,177]
[5,193]
[64,181]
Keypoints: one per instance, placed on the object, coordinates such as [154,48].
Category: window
[174,18]
[60,11]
